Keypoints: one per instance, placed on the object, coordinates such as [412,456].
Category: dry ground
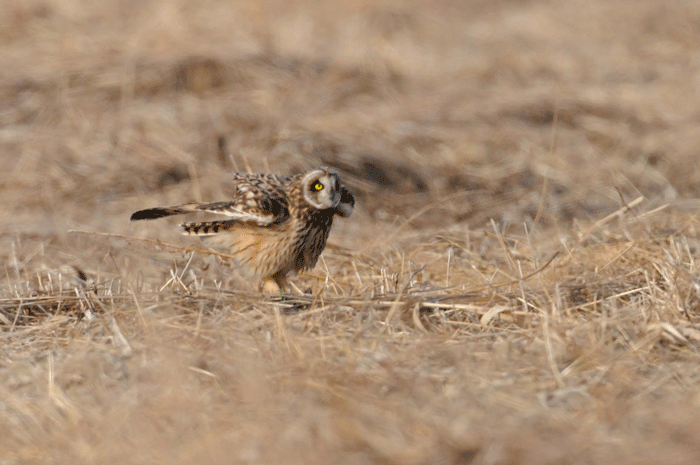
[519,284]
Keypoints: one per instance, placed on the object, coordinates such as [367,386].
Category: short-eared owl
[276,224]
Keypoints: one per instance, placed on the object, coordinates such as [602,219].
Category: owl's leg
[283,284]
[271,286]
[276,284]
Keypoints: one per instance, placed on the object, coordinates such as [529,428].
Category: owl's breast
[312,239]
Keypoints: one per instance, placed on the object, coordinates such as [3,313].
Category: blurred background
[511,110]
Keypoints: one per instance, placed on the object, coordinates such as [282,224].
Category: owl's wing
[256,202]
[346,204]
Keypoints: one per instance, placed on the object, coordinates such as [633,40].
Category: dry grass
[519,284]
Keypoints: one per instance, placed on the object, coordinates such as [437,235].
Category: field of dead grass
[518,285]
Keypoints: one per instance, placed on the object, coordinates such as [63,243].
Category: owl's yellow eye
[318,186]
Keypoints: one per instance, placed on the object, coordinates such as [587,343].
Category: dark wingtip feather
[150,214]
[347,203]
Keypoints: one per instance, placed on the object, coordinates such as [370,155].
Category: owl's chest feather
[312,232]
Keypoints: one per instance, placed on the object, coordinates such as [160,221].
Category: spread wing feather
[261,201]
[347,203]
[207,228]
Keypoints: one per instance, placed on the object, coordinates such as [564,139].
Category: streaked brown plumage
[277,225]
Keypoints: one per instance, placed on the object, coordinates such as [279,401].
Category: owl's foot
[272,287]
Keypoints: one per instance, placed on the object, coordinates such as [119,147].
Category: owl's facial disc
[322,189]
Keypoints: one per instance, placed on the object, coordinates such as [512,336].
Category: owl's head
[322,189]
